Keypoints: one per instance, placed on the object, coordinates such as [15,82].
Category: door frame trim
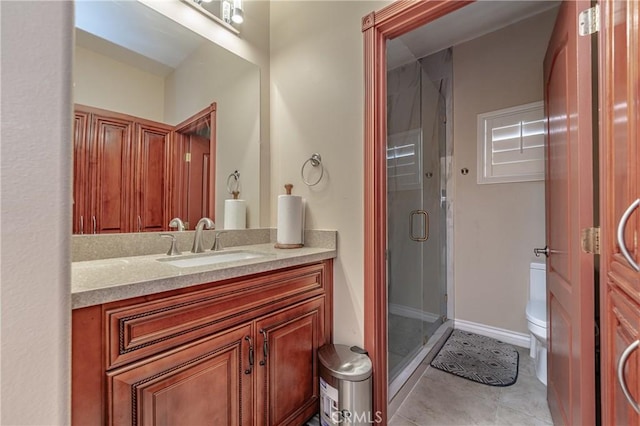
[393,20]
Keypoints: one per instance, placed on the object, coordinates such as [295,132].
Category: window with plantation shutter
[511,144]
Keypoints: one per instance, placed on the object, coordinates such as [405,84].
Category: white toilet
[537,318]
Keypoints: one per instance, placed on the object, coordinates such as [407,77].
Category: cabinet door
[111,174]
[204,383]
[624,317]
[81,186]
[152,184]
[287,364]
[619,80]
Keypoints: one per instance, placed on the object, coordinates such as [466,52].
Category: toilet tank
[538,281]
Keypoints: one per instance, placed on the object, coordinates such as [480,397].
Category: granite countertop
[95,282]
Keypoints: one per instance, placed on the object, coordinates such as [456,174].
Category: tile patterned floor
[441,398]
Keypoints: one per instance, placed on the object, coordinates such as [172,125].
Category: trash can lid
[345,364]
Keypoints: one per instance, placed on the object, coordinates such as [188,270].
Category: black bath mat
[478,358]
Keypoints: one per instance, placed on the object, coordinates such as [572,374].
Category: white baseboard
[409,312]
[507,336]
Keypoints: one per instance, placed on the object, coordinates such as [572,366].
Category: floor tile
[398,420]
[507,416]
[529,396]
[440,398]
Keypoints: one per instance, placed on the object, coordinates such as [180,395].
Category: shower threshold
[418,364]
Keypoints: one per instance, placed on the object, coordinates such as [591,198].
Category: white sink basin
[211,258]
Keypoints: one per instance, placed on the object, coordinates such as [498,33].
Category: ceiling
[155,43]
[467,23]
[134,34]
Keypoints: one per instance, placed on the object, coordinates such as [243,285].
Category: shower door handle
[425,237]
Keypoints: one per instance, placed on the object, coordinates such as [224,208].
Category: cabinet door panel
[198,384]
[81,184]
[111,159]
[152,189]
[619,81]
[624,318]
[288,374]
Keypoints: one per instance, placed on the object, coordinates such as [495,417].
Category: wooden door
[151,198]
[208,382]
[112,183]
[81,184]
[287,364]
[619,54]
[569,209]
[198,179]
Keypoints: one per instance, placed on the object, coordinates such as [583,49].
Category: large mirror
[132,60]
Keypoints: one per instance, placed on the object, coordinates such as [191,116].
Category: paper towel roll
[290,220]
[235,214]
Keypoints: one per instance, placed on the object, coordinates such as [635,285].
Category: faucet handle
[217,243]
[173,250]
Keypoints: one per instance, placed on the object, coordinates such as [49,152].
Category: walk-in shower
[418,164]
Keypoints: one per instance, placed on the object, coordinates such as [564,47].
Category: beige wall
[102,82]
[496,226]
[317,106]
[37,43]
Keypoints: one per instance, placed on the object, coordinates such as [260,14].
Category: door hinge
[590,240]
[187,157]
[589,21]
[446,298]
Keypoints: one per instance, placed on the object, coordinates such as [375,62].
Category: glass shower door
[405,217]
[416,240]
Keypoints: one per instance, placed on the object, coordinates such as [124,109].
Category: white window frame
[485,175]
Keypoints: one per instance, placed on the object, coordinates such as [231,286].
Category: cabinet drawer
[143,329]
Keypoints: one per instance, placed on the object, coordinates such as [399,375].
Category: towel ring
[315,160]
[235,183]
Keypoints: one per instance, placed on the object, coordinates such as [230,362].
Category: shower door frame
[394,20]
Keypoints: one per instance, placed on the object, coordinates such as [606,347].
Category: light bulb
[238,16]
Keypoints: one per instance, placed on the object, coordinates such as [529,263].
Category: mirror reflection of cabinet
[121,166]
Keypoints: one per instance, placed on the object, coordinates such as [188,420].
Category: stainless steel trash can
[345,386]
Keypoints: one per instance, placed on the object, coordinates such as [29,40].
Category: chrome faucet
[217,244]
[203,223]
[176,222]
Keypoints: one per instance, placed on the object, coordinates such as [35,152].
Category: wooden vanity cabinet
[287,370]
[121,167]
[204,383]
[237,352]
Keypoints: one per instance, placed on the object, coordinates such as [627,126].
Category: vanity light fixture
[238,14]
[232,11]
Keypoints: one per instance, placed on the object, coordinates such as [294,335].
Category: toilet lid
[537,312]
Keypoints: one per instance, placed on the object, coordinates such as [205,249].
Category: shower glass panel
[416,197]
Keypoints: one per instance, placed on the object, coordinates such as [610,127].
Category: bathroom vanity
[219,344]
